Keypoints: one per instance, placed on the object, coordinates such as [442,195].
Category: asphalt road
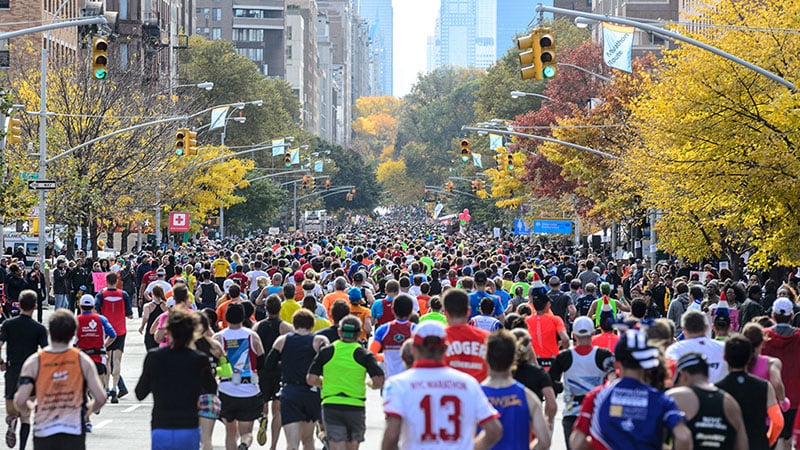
[126,425]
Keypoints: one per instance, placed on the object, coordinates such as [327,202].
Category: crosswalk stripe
[101,424]
[132,408]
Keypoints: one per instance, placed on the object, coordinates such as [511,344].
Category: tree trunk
[71,229]
[123,246]
[93,237]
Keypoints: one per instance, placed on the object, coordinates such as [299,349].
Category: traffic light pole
[668,33]
[542,138]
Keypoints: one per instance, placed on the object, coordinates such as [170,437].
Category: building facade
[379,16]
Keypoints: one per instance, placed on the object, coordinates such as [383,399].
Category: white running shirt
[440,407]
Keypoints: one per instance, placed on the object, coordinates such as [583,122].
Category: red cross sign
[178,222]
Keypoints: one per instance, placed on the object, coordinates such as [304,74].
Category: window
[216,33]
[203,10]
[216,15]
[248,35]
[5,4]
[4,56]
[258,13]
[288,33]
[288,52]
[123,55]
[123,9]
[254,54]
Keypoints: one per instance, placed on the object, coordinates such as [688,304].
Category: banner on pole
[495,140]
[295,156]
[318,166]
[476,159]
[278,147]
[218,117]
[617,46]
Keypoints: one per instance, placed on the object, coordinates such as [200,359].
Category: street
[126,425]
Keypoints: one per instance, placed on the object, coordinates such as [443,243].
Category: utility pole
[294,205]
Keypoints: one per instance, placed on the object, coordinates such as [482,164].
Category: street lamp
[518,94]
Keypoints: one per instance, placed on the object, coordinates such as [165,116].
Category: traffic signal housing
[181,139]
[99,58]
[465,151]
[547,49]
[191,142]
[311,183]
[13,131]
[287,159]
[327,185]
[510,157]
[539,58]
[305,181]
[475,186]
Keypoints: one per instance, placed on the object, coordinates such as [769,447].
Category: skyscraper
[456,33]
[513,17]
[380,17]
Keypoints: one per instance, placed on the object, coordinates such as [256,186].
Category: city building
[456,32]
[380,17]
[485,33]
[302,72]
[256,27]
[644,42]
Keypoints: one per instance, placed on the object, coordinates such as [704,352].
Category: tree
[375,126]
[351,170]
[395,181]
[262,200]
[720,141]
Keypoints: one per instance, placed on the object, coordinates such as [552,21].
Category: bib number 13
[447,403]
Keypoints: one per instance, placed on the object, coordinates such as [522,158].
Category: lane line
[99,425]
[132,408]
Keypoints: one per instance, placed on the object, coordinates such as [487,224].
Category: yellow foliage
[376,125]
[392,176]
[507,186]
[721,142]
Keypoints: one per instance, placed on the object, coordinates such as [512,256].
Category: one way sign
[178,222]
[41,184]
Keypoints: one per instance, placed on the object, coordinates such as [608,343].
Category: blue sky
[414,21]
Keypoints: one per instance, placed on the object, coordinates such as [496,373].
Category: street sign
[28,225]
[40,185]
[520,228]
[26,176]
[178,222]
[552,226]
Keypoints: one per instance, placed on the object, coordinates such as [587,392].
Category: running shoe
[114,397]
[242,446]
[261,436]
[11,434]
[88,427]
[122,393]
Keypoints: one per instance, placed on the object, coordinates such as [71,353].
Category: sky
[414,21]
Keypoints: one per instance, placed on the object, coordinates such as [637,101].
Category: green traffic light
[288,165]
[464,159]
[510,167]
[179,151]
[549,72]
[100,74]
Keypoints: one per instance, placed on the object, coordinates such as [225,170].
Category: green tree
[351,170]
[262,200]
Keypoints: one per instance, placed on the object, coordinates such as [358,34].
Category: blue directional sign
[520,228]
[552,226]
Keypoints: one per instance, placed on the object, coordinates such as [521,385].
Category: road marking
[101,424]
[132,408]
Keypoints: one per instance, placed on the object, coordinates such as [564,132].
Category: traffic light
[465,152]
[547,48]
[13,131]
[510,157]
[191,142]
[99,58]
[498,158]
[180,141]
[311,183]
[539,60]
[475,186]
[287,159]
[449,186]
[305,181]
[529,60]
[327,185]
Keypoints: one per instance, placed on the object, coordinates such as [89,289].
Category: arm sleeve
[107,328]
[273,358]
[143,386]
[98,302]
[604,360]
[380,333]
[776,424]
[325,354]
[367,359]
[128,306]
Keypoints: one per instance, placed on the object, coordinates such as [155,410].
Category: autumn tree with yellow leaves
[720,155]
[375,126]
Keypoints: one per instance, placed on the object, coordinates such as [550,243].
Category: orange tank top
[60,394]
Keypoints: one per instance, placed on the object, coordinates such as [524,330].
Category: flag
[278,147]
[476,159]
[495,140]
[617,46]
[218,116]
[318,166]
[295,156]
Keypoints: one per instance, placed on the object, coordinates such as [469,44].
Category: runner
[548,331]
[150,314]
[177,376]
[94,335]
[390,336]
[207,292]
[755,397]
[466,345]
[268,331]
[713,416]
[23,336]
[59,376]
[116,306]
[583,368]
[240,395]
[338,369]
[695,330]
[629,414]
[520,410]
[444,406]
[300,402]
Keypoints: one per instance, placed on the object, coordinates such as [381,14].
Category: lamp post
[518,94]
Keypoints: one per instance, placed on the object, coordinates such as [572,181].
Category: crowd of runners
[469,338]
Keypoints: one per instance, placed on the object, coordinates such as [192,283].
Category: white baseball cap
[87,300]
[583,326]
[783,307]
